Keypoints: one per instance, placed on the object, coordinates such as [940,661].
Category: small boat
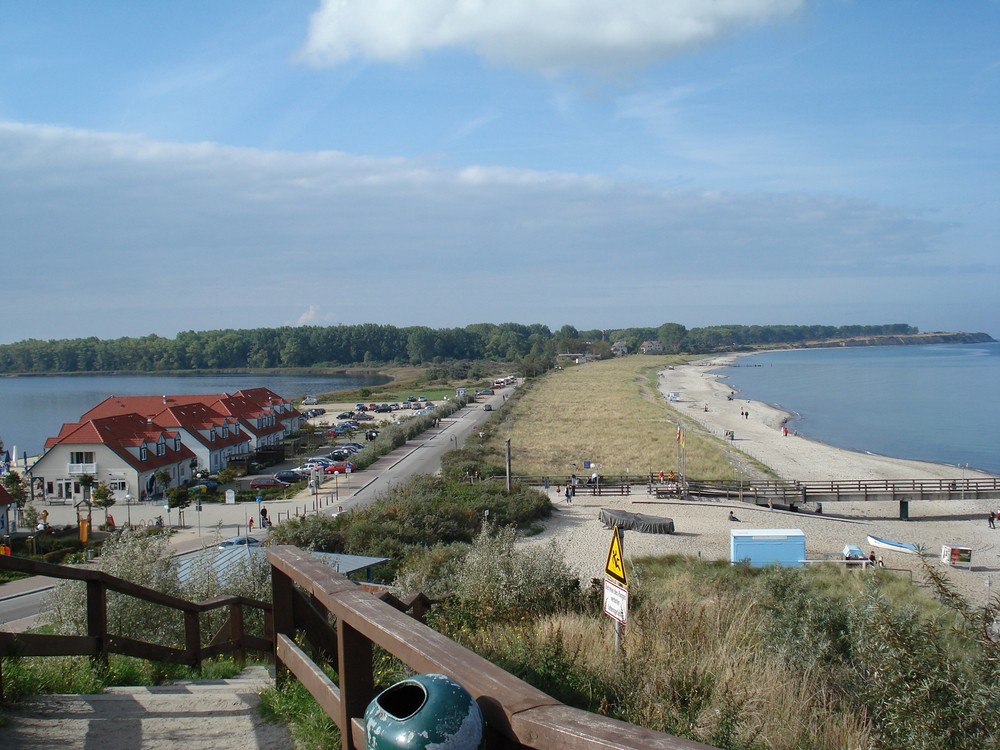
[910,549]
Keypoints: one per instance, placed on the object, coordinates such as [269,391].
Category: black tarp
[636,521]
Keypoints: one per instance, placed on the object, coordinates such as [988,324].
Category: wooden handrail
[517,715]
[98,642]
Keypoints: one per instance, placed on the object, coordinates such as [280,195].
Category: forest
[533,346]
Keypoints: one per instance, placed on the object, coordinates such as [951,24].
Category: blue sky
[192,166]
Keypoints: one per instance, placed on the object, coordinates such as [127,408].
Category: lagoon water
[937,403]
[33,409]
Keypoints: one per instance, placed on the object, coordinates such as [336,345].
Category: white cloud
[309,316]
[544,35]
[161,237]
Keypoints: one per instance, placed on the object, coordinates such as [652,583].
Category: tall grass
[608,412]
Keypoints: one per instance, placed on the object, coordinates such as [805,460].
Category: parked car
[239,541]
[310,401]
[346,415]
[318,460]
[364,417]
[487,407]
[261,483]
[341,467]
[355,446]
[210,486]
[288,475]
[484,392]
[340,454]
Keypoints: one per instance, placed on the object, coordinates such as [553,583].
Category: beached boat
[910,549]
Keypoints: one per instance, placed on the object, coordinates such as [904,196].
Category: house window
[143,452]
[161,447]
[177,443]
[211,436]
[81,457]
[118,485]
[225,430]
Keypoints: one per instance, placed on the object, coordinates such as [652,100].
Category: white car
[310,401]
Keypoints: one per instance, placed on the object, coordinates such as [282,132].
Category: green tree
[162,478]
[103,497]
[16,485]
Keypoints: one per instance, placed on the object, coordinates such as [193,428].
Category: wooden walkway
[791,495]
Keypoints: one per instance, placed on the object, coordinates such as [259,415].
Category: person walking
[993,520]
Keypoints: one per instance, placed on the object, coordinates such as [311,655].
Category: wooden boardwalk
[792,495]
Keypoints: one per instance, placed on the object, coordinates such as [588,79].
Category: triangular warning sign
[616,564]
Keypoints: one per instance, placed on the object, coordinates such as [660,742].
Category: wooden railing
[231,638]
[792,492]
[319,617]
[338,623]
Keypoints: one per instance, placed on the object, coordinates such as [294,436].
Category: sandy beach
[702,528]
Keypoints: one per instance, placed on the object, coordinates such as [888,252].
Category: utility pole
[507,462]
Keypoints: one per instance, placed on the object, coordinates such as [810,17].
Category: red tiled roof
[121,432]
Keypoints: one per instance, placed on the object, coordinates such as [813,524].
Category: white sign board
[230,497]
[615,601]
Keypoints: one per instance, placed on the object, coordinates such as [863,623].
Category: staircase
[193,715]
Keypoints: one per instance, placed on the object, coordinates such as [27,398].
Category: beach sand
[702,528]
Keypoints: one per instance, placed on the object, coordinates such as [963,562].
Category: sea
[938,403]
[34,408]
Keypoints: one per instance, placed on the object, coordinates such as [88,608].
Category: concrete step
[189,714]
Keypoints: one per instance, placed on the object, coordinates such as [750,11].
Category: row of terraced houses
[133,442]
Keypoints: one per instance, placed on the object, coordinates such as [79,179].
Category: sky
[178,166]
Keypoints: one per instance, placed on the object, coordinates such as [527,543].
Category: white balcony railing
[78,469]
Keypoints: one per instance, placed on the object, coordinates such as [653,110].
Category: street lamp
[128,507]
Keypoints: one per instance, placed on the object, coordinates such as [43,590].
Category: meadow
[608,412]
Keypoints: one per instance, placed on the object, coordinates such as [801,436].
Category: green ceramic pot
[424,711]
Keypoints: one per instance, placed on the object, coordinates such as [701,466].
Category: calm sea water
[931,403]
[33,409]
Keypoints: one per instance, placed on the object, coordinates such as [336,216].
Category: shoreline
[759,435]
[702,527]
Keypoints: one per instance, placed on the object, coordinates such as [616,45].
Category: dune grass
[608,412]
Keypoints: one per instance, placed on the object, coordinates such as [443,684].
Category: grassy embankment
[609,412]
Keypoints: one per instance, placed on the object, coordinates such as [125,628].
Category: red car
[340,467]
[261,483]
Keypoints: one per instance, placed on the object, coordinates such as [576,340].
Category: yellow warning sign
[615,566]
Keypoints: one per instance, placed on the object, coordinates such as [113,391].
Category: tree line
[531,346]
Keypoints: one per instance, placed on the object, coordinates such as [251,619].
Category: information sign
[615,601]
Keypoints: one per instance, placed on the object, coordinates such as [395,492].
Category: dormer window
[211,435]
[143,452]
[225,430]
[177,443]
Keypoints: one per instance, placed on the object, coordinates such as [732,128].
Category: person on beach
[569,493]
[732,517]
[993,520]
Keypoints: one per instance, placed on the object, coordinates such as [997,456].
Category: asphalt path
[421,455]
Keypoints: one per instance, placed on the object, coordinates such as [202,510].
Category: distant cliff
[935,337]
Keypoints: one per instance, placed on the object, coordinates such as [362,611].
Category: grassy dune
[608,412]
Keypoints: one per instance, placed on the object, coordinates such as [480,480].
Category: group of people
[265,520]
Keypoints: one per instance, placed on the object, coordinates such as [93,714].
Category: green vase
[424,711]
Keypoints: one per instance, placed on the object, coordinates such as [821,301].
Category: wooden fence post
[357,685]
[97,619]
[283,616]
